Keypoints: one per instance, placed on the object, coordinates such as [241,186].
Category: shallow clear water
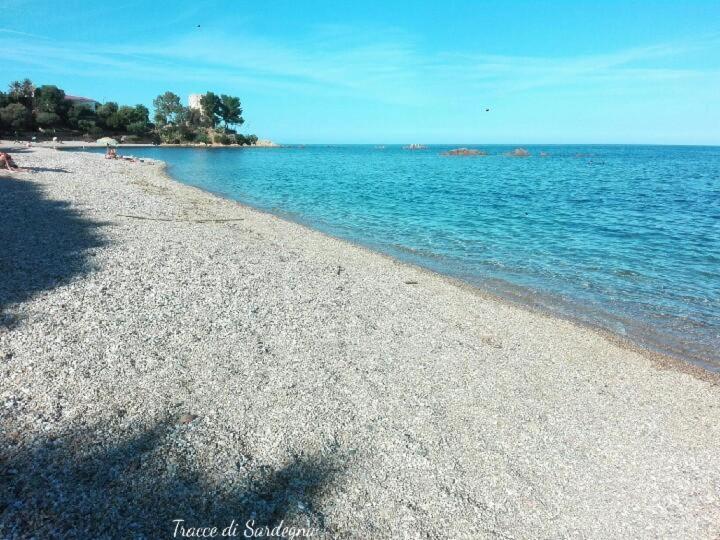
[624,237]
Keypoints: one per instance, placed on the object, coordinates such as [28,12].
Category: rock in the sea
[519,152]
[415,147]
[266,143]
[465,152]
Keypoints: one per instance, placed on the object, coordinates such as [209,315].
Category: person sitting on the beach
[7,162]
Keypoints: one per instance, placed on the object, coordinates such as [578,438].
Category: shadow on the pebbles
[15,150]
[47,169]
[78,486]
[43,243]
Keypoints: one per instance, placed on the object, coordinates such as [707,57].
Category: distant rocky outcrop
[518,152]
[266,143]
[465,152]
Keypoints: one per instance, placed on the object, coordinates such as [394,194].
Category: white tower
[194,101]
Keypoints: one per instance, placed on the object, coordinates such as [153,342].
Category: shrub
[202,137]
[223,139]
[246,139]
[16,116]
[86,125]
[76,114]
[137,128]
[114,122]
[170,136]
[186,134]
[47,119]
[90,128]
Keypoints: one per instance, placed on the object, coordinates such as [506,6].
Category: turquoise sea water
[623,237]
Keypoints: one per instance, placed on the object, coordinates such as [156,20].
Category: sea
[623,238]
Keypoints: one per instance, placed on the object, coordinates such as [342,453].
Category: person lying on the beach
[111,153]
[6,162]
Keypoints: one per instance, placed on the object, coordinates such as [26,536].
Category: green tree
[47,119]
[16,116]
[104,112]
[90,128]
[86,126]
[193,118]
[115,122]
[223,138]
[78,113]
[126,115]
[231,111]
[22,92]
[202,137]
[246,139]
[171,135]
[137,128]
[141,114]
[211,106]
[50,99]
[168,109]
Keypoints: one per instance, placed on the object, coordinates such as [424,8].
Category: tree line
[213,121]
[26,107]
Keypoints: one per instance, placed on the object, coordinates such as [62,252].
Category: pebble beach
[172,360]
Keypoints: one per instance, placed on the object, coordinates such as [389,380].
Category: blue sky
[394,72]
